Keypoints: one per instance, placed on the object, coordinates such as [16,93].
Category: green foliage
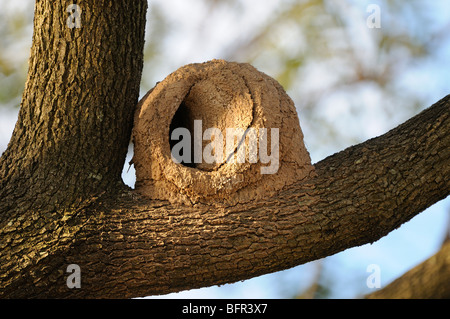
[15,41]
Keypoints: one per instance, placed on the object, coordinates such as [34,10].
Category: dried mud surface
[223,95]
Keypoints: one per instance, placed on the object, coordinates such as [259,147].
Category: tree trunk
[76,114]
[75,121]
[63,202]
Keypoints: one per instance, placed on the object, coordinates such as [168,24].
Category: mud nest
[217,132]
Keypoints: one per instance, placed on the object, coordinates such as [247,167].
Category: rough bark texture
[75,121]
[76,113]
[129,246]
[62,201]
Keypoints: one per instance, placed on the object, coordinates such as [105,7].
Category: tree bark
[76,114]
[62,200]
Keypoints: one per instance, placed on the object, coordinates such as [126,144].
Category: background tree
[108,165]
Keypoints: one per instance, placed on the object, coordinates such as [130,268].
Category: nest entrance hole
[183,119]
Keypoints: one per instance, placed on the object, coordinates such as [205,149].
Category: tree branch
[62,201]
[129,246]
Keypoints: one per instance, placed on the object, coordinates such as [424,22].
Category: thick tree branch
[62,201]
[128,246]
[387,180]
